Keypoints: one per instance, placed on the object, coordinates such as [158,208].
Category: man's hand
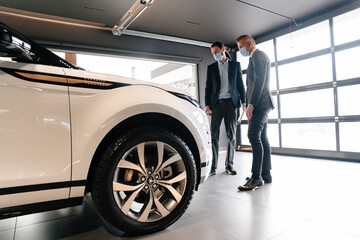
[249,112]
[243,106]
[207,110]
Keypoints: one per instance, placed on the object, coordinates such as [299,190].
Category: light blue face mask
[218,57]
[244,52]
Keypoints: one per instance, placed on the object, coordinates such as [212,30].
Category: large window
[273,134]
[310,39]
[346,27]
[268,47]
[348,99]
[347,63]
[349,135]
[244,61]
[174,74]
[306,72]
[318,88]
[307,104]
[320,136]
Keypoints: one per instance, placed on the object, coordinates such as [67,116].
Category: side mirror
[13,47]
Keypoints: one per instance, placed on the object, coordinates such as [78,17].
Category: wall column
[71,58]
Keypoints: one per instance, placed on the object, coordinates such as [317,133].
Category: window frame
[334,85]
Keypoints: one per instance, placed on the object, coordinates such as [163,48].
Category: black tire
[133,191]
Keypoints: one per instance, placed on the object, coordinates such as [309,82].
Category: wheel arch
[146,119]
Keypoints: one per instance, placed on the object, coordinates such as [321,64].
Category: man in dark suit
[259,103]
[224,93]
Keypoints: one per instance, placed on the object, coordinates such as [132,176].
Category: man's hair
[217,44]
[245,37]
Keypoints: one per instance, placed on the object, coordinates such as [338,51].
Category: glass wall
[309,71]
[319,136]
[349,135]
[348,97]
[347,66]
[319,103]
[307,40]
[315,82]
[180,75]
[346,27]
[175,74]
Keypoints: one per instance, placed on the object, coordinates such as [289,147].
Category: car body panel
[34,129]
[25,198]
[35,139]
[54,116]
[95,112]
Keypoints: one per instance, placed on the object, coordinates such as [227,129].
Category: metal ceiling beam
[130,16]
[166,38]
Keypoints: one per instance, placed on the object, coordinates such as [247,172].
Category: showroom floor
[308,199]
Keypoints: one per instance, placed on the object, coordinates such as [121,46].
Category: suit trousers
[257,134]
[224,109]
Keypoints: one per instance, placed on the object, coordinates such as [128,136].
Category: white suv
[140,149]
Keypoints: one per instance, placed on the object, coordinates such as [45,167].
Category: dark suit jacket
[213,82]
[258,81]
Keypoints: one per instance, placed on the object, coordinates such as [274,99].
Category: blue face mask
[218,57]
[244,52]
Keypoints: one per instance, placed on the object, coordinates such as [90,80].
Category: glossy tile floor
[308,199]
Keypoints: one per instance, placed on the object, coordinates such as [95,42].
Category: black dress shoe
[251,184]
[267,179]
[230,171]
[212,173]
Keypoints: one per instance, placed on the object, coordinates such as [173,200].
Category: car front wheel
[145,180]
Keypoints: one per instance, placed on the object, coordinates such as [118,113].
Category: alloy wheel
[149,181]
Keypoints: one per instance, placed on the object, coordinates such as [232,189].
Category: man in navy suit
[259,103]
[224,93]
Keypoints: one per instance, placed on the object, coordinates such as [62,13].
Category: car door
[35,141]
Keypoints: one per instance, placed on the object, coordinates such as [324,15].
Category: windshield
[18,48]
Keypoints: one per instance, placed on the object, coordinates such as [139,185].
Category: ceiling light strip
[55,21]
